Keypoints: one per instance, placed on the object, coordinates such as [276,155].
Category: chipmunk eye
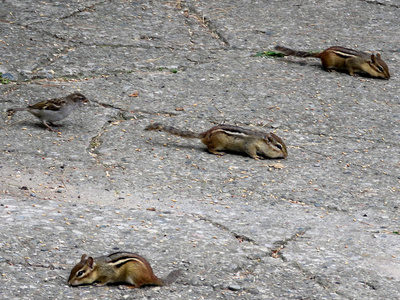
[279,146]
[80,273]
[380,69]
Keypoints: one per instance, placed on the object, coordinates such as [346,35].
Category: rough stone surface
[322,224]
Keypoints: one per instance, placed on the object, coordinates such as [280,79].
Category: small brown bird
[53,110]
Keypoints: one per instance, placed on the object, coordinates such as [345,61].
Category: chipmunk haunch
[345,59]
[223,137]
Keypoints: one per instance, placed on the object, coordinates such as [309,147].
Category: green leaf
[3,80]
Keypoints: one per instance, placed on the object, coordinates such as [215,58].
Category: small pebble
[234,287]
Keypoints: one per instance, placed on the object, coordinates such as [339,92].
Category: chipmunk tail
[175,131]
[172,276]
[291,52]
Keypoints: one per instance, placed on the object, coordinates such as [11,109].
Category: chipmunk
[345,59]
[233,138]
[119,267]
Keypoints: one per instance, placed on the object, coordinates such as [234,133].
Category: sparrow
[53,110]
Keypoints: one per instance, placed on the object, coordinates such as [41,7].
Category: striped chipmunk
[256,144]
[119,267]
[344,59]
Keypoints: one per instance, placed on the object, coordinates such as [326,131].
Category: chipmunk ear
[83,257]
[90,262]
[373,58]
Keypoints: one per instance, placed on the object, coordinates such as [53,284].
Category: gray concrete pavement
[322,224]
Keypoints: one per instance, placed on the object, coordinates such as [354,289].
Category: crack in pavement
[324,283]
[84,9]
[241,238]
[206,23]
[380,3]
[281,244]
[96,141]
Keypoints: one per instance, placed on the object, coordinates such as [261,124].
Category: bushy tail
[172,277]
[288,51]
[174,131]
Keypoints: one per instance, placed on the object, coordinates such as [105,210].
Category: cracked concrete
[322,224]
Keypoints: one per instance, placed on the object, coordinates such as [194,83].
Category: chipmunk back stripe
[235,130]
[123,260]
[229,132]
[344,54]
